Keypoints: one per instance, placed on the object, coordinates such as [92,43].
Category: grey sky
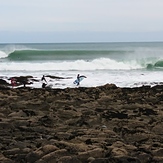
[81,20]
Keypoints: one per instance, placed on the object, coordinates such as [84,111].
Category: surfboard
[80,79]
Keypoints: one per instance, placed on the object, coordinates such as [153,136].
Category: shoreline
[97,124]
[64,82]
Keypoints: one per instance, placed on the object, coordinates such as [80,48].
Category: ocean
[123,64]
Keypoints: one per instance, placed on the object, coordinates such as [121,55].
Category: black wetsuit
[44,80]
[78,78]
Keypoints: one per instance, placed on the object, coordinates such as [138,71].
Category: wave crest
[159,64]
[96,64]
[3,54]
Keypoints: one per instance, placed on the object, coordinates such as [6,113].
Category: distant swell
[26,55]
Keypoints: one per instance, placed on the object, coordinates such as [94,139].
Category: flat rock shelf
[104,124]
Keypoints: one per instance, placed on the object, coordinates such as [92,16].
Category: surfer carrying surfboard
[79,79]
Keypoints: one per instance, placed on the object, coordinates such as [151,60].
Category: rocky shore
[103,124]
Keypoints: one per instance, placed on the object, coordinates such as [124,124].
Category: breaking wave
[33,59]
[96,64]
[34,55]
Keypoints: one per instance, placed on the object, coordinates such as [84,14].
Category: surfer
[13,82]
[78,79]
[43,79]
[44,82]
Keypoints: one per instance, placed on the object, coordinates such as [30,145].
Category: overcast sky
[81,20]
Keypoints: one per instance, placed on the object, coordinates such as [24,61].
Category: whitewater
[123,64]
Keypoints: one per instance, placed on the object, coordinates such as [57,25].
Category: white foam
[97,64]
[122,78]
[3,54]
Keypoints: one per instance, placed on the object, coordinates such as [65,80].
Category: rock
[3,159]
[49,148]
[158,128]
[68,159]
[158,152]
[3,83]
[53,156]
[119,152]
[104,124]
[32,157]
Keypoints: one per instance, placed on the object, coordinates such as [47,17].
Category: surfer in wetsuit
[78,79]
[44,82]
[43,79]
